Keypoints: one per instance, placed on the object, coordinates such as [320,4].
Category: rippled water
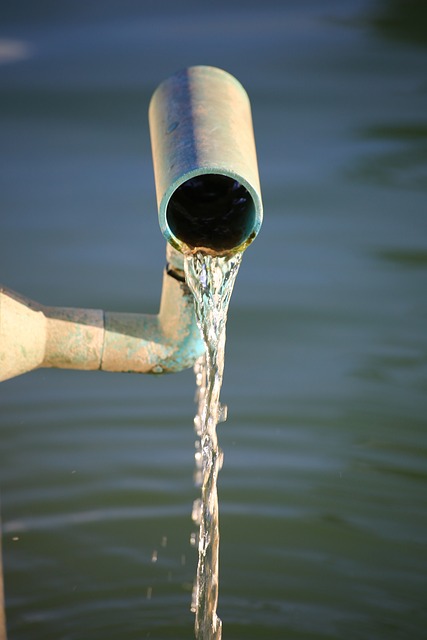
[323,490]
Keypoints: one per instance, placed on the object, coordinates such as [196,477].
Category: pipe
[33,335]
[208,198]
[205,164]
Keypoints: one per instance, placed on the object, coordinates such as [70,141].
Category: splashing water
[211,279]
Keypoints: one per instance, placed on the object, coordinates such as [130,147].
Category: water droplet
[220,460]
[222,413]
[196,511]
[194,598]
[157,368]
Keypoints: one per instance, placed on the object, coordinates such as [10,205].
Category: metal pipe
[33,335]
[209,199]
[205,164]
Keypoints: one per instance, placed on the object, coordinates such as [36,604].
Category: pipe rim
[253,228]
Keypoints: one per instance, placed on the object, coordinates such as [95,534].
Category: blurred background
[323,490]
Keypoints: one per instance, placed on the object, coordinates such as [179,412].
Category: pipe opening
[211,211]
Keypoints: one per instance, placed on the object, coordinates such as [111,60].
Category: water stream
[211,280]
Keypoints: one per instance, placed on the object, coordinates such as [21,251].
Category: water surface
[323,488]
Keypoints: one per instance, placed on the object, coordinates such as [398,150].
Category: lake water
[323,490]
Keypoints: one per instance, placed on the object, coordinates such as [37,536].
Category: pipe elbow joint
[34,336]
[166,343]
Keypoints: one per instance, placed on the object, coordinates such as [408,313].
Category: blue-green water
[323,490]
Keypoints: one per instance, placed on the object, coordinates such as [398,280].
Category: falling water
[211,280]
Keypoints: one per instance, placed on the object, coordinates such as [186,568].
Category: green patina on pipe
[33,336]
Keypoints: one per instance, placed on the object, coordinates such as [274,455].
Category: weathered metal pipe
[33,335]
[209,199]
[205,164]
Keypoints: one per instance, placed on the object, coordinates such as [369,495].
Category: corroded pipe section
[33,336]
[205,164]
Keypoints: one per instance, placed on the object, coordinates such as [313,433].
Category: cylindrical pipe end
[205,163]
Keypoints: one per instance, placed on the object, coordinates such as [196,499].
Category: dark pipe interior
[211,211]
